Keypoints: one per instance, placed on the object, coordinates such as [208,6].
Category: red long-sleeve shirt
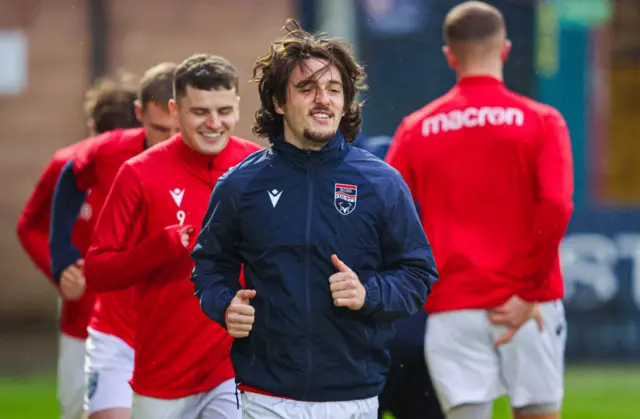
[178,350]
[33,232]
[492,174]
[95,169]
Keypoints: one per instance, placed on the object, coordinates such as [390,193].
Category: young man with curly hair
[328,238]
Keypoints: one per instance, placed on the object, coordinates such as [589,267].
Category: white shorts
[466,367]
[71,377]
[108,369]
[259,406]
[219,403]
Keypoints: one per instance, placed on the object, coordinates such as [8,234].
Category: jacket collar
[190,156]
[202,165]
[220,161]
[330,155]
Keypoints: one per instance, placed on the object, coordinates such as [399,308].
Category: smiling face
[314,104]
[207,117]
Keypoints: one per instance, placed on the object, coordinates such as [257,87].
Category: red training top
[33,232]
[155,197]
[492,175]
[95,168]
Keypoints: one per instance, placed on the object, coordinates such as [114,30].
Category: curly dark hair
[110,102]
[272,72]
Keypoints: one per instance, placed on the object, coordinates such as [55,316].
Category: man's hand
[187,237]
[72,282]
[346,288]
[514,314]
[240,315]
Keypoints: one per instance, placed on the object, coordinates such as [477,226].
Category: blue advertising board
[601,265]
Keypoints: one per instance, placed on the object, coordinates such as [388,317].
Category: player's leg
[108,369]
[394,392]
[533,365]
[463,362]
[408,392]
[71,377]
[538,411]
[432,407]
[222,402]
[390,398]
[115,413]
[471,411]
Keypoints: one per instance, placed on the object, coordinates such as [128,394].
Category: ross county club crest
[346,197]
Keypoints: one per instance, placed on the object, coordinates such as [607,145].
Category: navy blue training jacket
[282,213]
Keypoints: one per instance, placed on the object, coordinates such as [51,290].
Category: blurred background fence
[582,56]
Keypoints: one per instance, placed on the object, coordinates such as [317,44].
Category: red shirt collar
[480,80]
[194,158]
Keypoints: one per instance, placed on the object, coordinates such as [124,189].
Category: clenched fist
[240,314]
[346,288]
[187,236]
[72,282]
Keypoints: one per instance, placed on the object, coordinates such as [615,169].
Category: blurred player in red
[109,106]
[492,174]
[109,354]
[145,234]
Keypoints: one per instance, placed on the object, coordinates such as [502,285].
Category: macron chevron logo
[274,196]
[177,195]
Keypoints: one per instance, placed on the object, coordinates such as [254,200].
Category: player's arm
[76,178]
[65,207]
[119,256]
[400,289]
[217,260]
[33,224]
[554,168]
[399,157]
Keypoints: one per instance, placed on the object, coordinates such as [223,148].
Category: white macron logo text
[274,196]
[472,117]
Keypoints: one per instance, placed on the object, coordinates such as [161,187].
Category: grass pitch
[591,393]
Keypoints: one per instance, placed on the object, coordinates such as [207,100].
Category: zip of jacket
[307,267]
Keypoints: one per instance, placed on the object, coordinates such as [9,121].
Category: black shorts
[408,393]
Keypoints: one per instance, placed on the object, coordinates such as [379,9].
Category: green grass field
[596,393]
[592,393]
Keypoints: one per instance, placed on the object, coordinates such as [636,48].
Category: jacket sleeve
[65,207]
[400,289]
[76,178]
[33,224]
[119,255]
[217,259]
[554,178]
[399,157]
